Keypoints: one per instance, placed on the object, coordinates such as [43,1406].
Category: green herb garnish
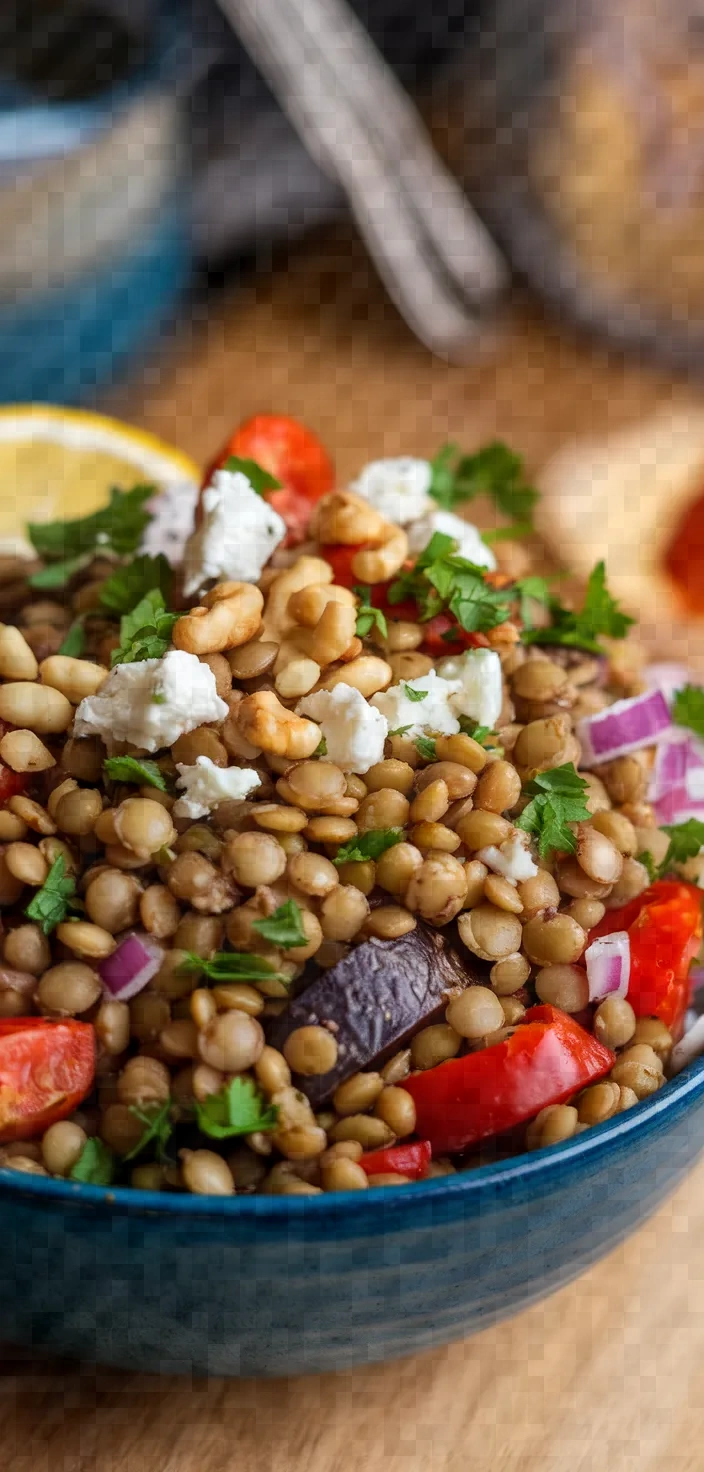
[130,584]
[400,730]
[70,545]
[75,642]
[145,632]
[369,845]
[129,769]
[322,748]
[425,746]
[688,708]
[260,479]
[158,1128]
[238,1109]
[441,580]
[480,734]
[226,966]
[50,905]
[494,471]
[600,616]
[369,618]
[95,1165]
[284,927]
[686,840]
[529,591]
[414,695]
[648,862]
[557,801]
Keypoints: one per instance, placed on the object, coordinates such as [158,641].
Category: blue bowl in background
[265,1285]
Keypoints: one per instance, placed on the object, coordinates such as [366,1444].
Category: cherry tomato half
[46,1068]
[290,452]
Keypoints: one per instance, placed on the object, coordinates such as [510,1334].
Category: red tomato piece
[664,927]
[46,1068]
[290,452]
[11,783]
[548,1058]
[410,1160]
[435,643]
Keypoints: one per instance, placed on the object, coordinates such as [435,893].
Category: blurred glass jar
[587,120]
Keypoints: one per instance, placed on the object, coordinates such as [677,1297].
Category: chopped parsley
[226,966]
[238,1109]
[600,616]
[95,1165]
[157,1128]
[529,591]
[69,545]
[480,734]
[284,927]
[688,708]
[260,479]
[493,471]
[130,584]
[557,800]
[686,839]
[369,618]
[322,748]
[648,862]
[414,695]
[369,845]
[145,632]
[442,580]
[400,730]
[50,905]
[425,746]
[75,642]
[129,769]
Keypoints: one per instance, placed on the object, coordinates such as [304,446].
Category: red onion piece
[132,964]
[676,806]
[679,762]
[626,726]
[608,962]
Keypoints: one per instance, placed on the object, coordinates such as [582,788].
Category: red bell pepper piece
[664,927]
[11,783]
[410,1160]
[290,452]
[435,643]
[546,1060]
[46,1068]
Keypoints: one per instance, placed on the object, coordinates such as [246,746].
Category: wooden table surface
[605,1375]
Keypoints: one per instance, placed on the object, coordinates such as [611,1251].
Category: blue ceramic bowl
[265,1285]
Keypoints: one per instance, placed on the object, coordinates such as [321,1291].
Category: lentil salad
[353,871]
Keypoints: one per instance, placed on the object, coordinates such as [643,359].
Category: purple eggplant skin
[374,1000]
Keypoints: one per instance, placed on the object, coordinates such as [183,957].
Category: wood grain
[605,1376]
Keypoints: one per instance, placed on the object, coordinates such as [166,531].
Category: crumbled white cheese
[433,712]
[152,703]
[397,489]
[172,516]
[237,536]
[354,732]
[512,859]
[468,537]
[206,785]
[481,685]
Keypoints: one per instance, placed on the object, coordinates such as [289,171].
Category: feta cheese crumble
[207,785]
[512,859]
[481,691]
[152,703]
[397,489]
[468,537]
[172,517]
[354,732]
[432,712]
[238,534]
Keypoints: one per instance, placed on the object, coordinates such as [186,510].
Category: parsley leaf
[95,1165]
[49,905]
[686,839]
[648,862]
[414,695]
[369,618]
[128,585]
[322,748]
[284,927]
[529,591]
[507,533]
[129,769]
[463,589]
[145,632]
[494,471]
[117,527]
[75,641]
[400,730]
[599,616]
[238,1109]
[157,1128]
[231,966]
[370,845]
[425,746]
[557,801]
[259,478]
[58,574]
[688,708]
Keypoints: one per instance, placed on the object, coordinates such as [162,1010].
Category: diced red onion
[688,1048]
[132,964]
[608,962]
[676,806]
[666,677]
[679,762]
[626,726]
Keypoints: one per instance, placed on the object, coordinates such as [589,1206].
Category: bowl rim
[129,1201]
